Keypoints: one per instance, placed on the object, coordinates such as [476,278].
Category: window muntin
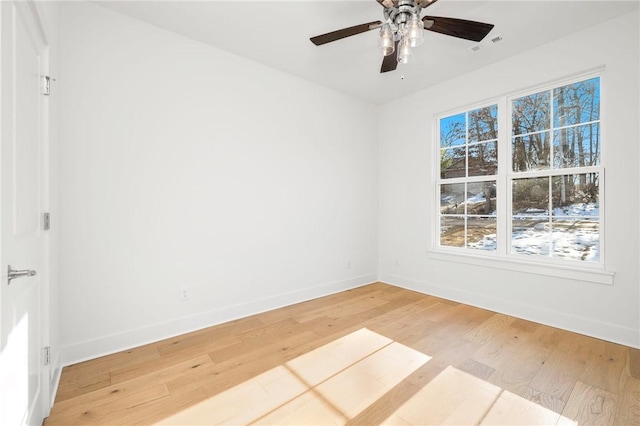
[550,178]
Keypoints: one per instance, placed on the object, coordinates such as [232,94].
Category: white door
[23,308]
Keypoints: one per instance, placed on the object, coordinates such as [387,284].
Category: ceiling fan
[402,30]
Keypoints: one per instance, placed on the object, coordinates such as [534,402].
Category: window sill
[593,275]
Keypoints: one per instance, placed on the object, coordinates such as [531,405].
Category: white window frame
[502,258]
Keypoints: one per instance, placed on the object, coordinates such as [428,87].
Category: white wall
[407,188]
[184,165]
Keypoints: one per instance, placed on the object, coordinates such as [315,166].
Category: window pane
[531,197]
[576,217]
[483,124]
[577,103]
[452,198]
[531,152]
[452,231]
[530,235]
[576,195]
[453,163]
[577,146]
[530,113]
[576,239]
[483,159]
[481,198]
[453,131]
[482,233]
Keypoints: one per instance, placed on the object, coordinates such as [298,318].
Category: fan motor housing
[401,13]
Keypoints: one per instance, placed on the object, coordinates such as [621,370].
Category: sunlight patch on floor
[328,385]
[336,382]
[456,397]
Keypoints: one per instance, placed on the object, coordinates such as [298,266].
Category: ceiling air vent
[483,44]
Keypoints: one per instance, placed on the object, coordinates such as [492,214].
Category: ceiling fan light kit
[386,41]
[415,31]
[405,52]
[403,29]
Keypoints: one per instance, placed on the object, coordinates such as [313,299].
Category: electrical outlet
[185,294]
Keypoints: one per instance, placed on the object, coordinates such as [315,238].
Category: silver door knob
[12,274]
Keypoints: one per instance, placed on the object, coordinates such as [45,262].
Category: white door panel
[23,376]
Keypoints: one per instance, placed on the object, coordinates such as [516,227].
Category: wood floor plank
[527,356]
[289,329]
[525,325]
[485,331]
[634,363]
[544,400]
[95,374]
[71,387]
[347,307]
[244,403]
[107,411]
[589,405]
[385,407]
[563,367]
[245,365]
[96,406]
[475,368]
[498,349]
[439,312]
[157,410]
[294,310]
[512,409]
[467,365]
[163,367]
[605,367]
[208,340]
[628,409]
[467,319]
[363,318]
[452,397]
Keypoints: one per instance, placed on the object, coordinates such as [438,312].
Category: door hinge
[46,85]
[47,221]
[47,355]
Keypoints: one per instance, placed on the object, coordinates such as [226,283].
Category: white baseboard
[589,327]
[106,345]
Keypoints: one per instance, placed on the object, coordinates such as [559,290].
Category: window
[538,199]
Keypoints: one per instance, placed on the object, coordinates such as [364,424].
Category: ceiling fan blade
[345,32]
[387,3]
[461,28]
[390,62]
[425,3]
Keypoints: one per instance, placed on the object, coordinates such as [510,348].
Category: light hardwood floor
[377,354]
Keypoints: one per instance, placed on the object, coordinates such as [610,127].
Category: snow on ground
[580,244]
[574,236]
[573,210]
[475,199]
[579,209]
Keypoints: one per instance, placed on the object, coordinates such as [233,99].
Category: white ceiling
[276,34]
